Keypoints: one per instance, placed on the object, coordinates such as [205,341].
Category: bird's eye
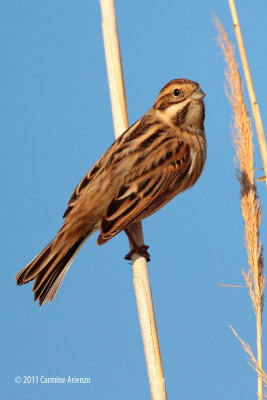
[176,92]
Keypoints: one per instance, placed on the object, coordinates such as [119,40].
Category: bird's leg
[139,249]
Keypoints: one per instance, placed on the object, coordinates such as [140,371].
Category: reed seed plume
[250,203]
[242,141]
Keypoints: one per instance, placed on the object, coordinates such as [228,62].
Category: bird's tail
[48,270]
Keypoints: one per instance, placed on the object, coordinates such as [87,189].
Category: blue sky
[55,123]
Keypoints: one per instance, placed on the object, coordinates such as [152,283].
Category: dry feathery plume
[250,204]
[242,140]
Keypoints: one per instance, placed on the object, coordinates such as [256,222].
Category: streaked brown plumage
[159,156]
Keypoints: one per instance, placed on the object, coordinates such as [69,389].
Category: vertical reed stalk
[251,92]
[140,272]
[250,203]
[259,350]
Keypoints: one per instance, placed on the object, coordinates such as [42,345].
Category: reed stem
[259,350]
[251,91]
[140,272]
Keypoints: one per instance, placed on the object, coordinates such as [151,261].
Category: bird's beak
[197,94]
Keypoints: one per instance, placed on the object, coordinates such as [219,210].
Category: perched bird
[159,156]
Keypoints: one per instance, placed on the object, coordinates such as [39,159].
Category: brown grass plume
[250,203]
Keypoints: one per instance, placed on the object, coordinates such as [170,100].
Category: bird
[161,155]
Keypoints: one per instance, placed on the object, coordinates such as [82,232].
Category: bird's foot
[141,250]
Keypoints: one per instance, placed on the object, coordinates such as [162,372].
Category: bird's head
[180,103]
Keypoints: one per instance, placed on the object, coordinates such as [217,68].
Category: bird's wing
[81,186]
[107,161]
[146,192]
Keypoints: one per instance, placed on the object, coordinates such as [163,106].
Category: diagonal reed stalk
[251,91]
[140,272]
[250,203]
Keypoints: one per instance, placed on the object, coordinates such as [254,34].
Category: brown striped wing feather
[147,193]
[109,157]
[79,188]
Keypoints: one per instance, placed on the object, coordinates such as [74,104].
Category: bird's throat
[191,117]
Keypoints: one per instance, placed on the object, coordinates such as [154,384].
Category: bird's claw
[141,250]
